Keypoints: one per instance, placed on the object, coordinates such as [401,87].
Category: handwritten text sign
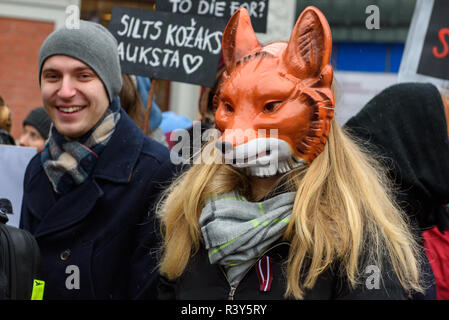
[435,54]
[426,53]
[257,9]
[163,45]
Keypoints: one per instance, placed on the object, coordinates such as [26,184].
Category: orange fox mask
[275,103]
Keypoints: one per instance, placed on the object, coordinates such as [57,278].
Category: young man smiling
[89,194]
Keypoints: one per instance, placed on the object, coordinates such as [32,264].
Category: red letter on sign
[441,34]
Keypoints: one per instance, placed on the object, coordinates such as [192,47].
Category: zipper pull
[231,293]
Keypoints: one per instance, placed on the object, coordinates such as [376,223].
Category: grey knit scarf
[237,232]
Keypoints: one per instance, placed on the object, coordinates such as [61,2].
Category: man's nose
[23,140]
[67,89]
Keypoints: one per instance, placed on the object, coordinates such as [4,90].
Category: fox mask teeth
[282,86]
[261,157]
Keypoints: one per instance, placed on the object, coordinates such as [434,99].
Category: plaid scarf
[237,232]
[69,163]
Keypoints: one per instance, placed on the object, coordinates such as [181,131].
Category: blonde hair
[343,212]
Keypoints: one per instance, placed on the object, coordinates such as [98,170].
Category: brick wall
[20,41]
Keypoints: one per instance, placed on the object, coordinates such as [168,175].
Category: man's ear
[310,45]
[239,38]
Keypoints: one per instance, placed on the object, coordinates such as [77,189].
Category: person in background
[130,100]
[5,124]
[208,101]
[89,195]
[206,120]
[407,126]
[133,99]
[36,128]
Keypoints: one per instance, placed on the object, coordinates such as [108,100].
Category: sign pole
[147,125]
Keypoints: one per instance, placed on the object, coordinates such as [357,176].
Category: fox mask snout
[282,90]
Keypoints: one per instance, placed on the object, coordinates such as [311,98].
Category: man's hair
[130,100]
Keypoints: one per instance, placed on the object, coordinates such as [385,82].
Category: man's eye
[272,106]
[50,76]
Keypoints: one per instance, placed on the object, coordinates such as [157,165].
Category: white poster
[13,162]
[355,89]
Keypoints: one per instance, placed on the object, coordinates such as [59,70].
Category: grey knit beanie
[93,45]
[39,119]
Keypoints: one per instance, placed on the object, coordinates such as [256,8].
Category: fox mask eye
[228,108]
[272,107]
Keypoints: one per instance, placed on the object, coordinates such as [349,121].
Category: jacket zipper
[231,288]
[234,288]
[231,293]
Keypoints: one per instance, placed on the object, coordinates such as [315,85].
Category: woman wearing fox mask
[297,210]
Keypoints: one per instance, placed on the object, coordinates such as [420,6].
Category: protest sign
[163,45]
[435,54]
[426,54]
[257,9]
[14,161]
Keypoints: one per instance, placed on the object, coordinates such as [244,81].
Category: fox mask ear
[239,38]
[308,50]
[310,45]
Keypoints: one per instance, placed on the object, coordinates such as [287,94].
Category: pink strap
[265,273]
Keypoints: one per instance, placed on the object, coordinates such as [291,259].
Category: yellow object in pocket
[38,290]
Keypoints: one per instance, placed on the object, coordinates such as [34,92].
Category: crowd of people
[331,206]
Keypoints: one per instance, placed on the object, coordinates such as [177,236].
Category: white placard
[13,163]
[355,89]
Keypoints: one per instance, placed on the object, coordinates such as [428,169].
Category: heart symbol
[191,63]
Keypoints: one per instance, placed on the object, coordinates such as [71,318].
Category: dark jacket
[6,138]
[103,228]
[203,281]
[405,124]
